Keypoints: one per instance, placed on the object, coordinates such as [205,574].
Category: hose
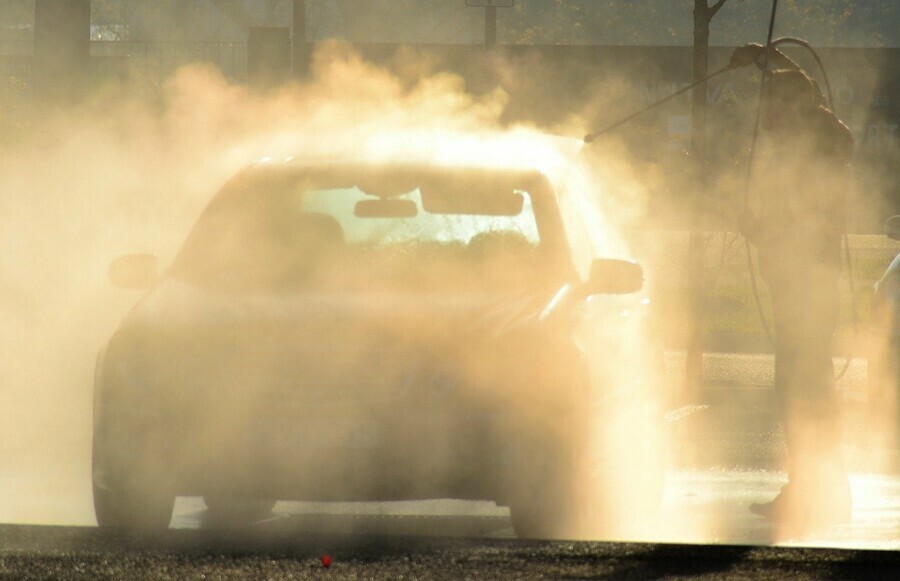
[750,163]
[815,55]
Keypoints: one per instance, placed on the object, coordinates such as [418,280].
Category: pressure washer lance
[589,138]
[593,136]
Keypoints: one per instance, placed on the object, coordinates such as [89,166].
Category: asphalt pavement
[90,553]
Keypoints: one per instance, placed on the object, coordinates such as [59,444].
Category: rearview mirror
[892,227]
[614,277]
[386,208]
[134,271]
[473,202]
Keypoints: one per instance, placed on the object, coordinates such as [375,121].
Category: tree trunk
[62,51]
[696,248]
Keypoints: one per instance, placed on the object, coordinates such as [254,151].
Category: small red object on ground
[326,561]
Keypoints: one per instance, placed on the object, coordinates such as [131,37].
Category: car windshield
[281,229]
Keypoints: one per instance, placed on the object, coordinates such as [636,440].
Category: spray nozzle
[747,55]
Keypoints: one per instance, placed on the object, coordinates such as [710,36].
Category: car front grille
[318,375]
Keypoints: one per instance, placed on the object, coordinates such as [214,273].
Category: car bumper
[326,457]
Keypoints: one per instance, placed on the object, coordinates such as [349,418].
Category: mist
[115,175]
[112,177]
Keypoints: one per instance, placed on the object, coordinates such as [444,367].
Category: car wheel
[575,505]
[133,496]
[568,493]
[632,487]
[127,508]
[237,510]
[550,513]
[546,503]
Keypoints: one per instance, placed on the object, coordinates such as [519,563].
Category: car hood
[352,347]
[180,307]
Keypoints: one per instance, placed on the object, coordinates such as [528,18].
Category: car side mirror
[134,271]
[614,277]
[892,227]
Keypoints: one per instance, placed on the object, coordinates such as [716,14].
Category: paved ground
[89,553]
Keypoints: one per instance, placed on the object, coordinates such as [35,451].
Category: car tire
[126,508]
[545,503]
[230,510]
[550,514]
[561,507]
[136,496]
[565,494]
[628,511]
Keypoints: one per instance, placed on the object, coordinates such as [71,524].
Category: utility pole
[300,48]
[490,16]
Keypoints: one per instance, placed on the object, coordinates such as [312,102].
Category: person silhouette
[796,228]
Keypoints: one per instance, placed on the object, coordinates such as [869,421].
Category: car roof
[344,172]
[401,177]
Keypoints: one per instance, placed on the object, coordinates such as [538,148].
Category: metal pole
[772,22]
[490,25]
[697,241]
[300,48]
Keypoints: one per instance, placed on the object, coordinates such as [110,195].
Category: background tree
[703,16]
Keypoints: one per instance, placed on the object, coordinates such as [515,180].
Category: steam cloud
[114,176]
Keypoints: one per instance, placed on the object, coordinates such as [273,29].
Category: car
[353,331]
